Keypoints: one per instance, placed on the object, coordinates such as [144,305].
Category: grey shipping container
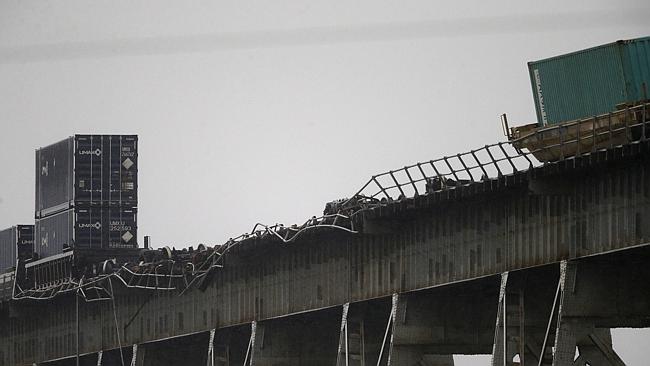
[92,228]
[16,242]
[590,82]
[86,170]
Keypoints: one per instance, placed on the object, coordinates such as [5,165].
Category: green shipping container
[590,82]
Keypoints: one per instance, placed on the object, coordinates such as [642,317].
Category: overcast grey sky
[263,111]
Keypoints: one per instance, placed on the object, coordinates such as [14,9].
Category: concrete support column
[595,348]
[351,349]
[431,326]
[138,355]
[249,359]
[386,350]
[500,356]
[108,358]
[566,329]
[227,346]
[413,352]
[577,339]
[526,298]
[303,339]
[364,332]
[213,359]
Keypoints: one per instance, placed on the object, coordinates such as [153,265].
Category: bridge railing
[533,149]
[537,147]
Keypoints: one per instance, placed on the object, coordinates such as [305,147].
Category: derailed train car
[596,97]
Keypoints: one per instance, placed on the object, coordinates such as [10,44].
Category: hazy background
[261,112]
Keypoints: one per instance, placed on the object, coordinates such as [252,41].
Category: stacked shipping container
[86,194]
[16,242]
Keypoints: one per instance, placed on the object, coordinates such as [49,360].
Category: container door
[123,170]
[89,153]
[25,241]
[106,227]
[54,233]
[54,178]
[7,249]
[122,228]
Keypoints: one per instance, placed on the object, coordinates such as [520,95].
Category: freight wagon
[85,214]
[593,98]
[590,82]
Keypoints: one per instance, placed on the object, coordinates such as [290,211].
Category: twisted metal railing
[284,234]
[447,172]
[529,150]
[175,270]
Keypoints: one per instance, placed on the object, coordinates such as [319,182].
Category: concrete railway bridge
[533,266]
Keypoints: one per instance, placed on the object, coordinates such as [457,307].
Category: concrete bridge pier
[563,313]
[303,339]
[364,328]
[580,337]
[223,347]
[524,304]
[405,349]
[228,346]
[530,323]
[431,326]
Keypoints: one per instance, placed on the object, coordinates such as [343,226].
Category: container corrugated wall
[25,242]
[86,228]
[636,63]
[87,170]
[590,82]
[7,248]
[105,169]
[15,242]
[86,194]
[54,176]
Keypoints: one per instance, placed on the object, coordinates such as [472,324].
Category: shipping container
[15,242]
[7,285]
[86,170]
[590,82]
[93,228]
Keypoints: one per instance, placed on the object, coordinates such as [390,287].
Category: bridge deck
[589,205]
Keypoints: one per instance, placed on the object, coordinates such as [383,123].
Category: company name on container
[96,225]
[90,152]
